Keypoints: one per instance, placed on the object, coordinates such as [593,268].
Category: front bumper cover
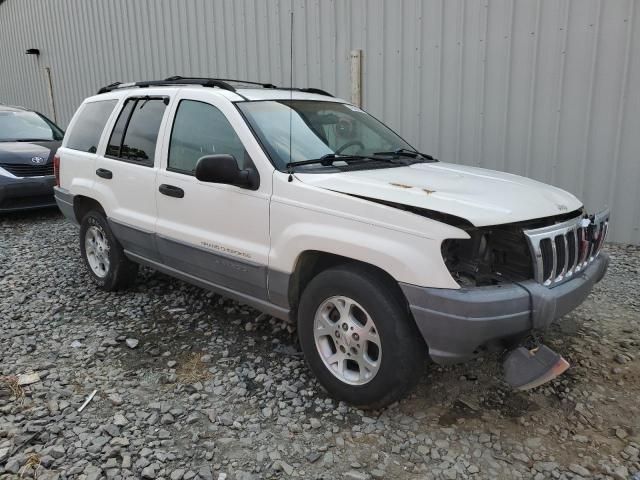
[456,323]
[26,193]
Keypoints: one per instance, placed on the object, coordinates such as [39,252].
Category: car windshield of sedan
[300,130]
[23,126]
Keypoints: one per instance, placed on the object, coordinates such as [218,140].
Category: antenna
[291,93]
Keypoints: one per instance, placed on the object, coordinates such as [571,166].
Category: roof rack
[317,91]
[205,82]
[222,83]
[259,84]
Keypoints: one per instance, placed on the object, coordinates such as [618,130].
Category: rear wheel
[103,256]
[358,337]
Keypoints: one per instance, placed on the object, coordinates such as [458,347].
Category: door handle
[171,191]
[104,173]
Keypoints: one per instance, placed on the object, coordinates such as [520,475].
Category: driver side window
[201,129]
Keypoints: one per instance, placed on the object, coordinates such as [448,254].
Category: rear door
[125,174]
[80,145]
[217,233]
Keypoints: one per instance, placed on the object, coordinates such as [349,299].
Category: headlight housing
[490,256]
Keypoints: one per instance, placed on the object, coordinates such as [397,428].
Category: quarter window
[201,129]
[135,133]
[86,131]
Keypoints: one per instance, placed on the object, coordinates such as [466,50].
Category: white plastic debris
[86,402]
[28,378]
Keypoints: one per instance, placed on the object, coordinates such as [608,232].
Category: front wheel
[103,256]
[358,337]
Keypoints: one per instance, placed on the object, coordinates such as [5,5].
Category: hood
[22,152]
[483,197]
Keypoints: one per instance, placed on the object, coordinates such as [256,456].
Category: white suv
[306,207]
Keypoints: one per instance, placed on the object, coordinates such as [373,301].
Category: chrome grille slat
[576,253]
[563,272]
[554,262]
[580,238]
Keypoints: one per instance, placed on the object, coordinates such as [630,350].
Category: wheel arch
[310,263]
[83,204]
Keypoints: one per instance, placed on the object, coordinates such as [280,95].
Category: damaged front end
[515,279]
[499,253]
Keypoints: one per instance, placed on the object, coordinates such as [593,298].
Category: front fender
[405,245]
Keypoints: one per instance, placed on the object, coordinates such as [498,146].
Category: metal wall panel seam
[418,93]
[66,66]
[438,92]
[252,32]
[560,89]
[594,61]
[150,30]
[634,236]
[222,64]
[202,46]
[621,104]
[532,89]
[482,66]
[92,44]
[507,74]
[460,39]
[262,41]
[336,47]
[170,46]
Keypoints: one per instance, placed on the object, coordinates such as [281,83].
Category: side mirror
[223,168]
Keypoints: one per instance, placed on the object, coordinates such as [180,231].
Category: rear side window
[134,135]
[86,131]
[201,129]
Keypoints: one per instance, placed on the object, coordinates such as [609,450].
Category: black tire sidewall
[403,351]
[93,218]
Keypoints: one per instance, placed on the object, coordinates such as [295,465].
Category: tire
[379,365]
[102,254]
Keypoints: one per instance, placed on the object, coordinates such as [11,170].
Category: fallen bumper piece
[525,369]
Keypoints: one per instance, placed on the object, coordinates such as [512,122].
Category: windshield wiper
[405,152]
[328,159]
[32,140]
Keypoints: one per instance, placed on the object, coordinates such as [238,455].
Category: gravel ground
[192,385]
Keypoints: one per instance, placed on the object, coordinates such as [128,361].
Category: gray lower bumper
[64,199]
[456,323]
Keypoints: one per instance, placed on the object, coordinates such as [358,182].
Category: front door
[214,232]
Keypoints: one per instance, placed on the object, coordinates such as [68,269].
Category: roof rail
[260,84]
[205,82]
[222,83]
[317,91]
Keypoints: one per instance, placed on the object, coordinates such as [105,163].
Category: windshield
[317,129]
[27,126]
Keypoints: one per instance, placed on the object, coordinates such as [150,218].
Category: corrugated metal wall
[544,88]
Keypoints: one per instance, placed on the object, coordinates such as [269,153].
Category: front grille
[560,251]
[26,170]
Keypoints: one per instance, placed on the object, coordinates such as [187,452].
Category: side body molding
[236,278]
